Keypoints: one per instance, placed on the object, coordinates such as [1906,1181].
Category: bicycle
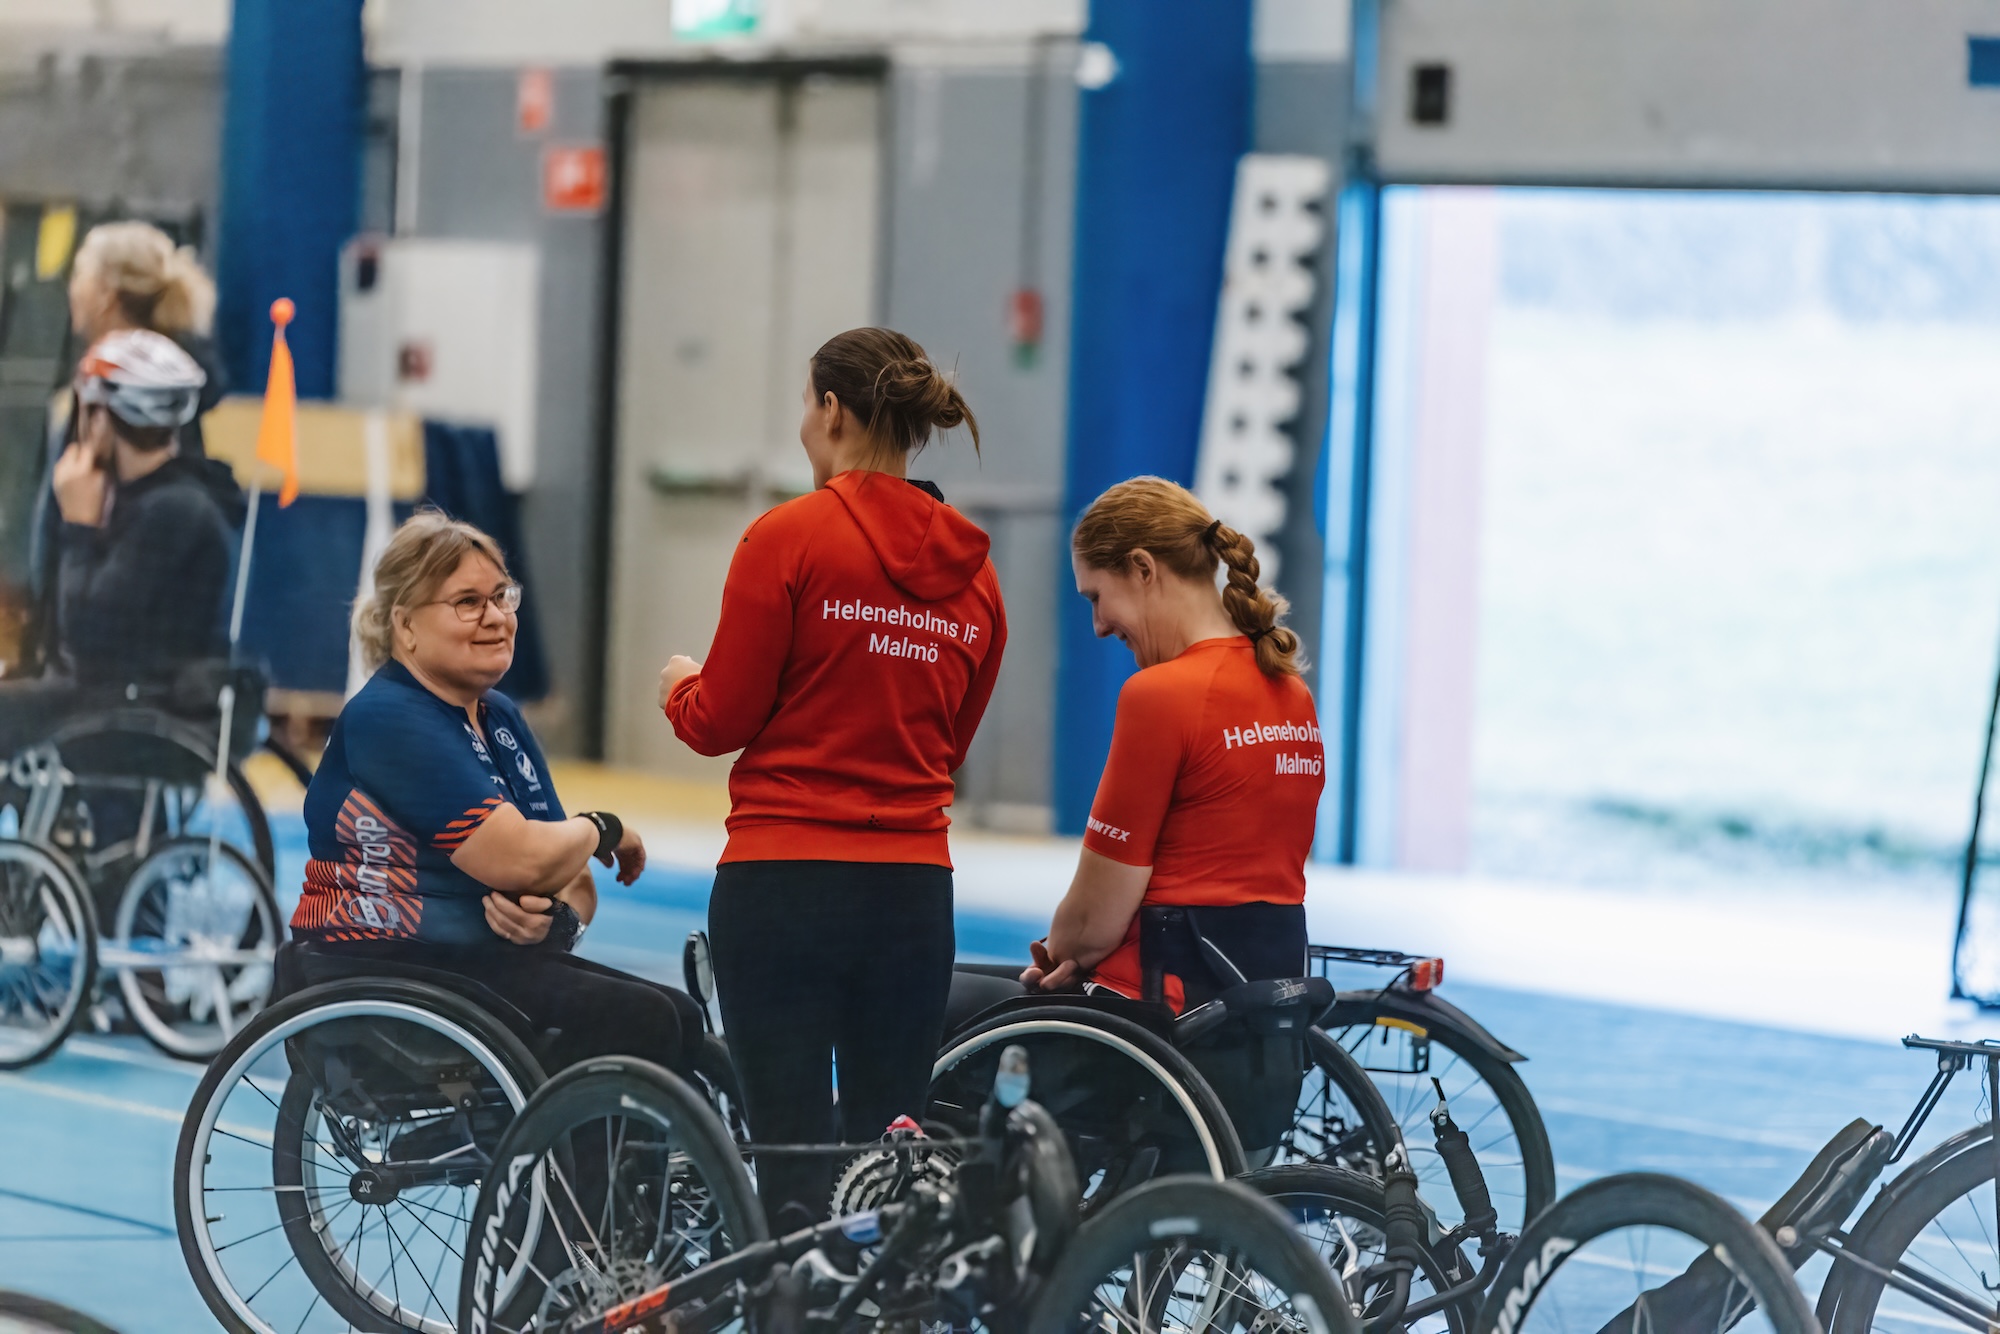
[961,1232]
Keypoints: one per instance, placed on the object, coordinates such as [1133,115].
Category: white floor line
[1769,1139]
[143,1057]
[88,1099]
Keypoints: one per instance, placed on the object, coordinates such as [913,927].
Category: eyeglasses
[471,607]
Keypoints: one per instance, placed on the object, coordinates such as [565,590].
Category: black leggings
[816,960]
[600,1011]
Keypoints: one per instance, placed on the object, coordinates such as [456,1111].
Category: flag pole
[281,315]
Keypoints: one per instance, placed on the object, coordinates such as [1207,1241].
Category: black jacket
[144,595]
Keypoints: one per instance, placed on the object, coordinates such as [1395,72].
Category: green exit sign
[715,18]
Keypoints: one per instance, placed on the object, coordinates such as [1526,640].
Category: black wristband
[610,831]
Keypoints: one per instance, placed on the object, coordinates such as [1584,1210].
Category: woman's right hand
[630,855]
[678,669]
[1045,974]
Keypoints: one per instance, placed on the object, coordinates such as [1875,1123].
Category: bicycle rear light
[1426,974]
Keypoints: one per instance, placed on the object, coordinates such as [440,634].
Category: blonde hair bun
[159,286]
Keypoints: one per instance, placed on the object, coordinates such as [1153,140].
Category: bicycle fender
[1416,1010]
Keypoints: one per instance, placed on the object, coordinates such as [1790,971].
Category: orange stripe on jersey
[461,829]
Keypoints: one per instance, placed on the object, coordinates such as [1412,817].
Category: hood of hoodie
[927,548]
[211,475]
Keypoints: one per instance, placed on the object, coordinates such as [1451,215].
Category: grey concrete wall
[1302,108]
[982,202]
[141,131]
[477,177]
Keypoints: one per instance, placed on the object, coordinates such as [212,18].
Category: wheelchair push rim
[48,951]
[1186,1095]
[256,1135]
[193,947]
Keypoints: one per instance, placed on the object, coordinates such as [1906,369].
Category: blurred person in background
[126,276]
[143,539]
[130,275]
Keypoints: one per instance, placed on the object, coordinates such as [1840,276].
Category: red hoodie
[861,632]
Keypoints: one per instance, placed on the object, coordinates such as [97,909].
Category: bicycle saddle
[1276,1005]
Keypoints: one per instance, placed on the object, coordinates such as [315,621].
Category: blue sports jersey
[404,781]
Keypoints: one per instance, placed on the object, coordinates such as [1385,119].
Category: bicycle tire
[1308,1192]
[1183,1212]
[1410,1098]
[139,992]
[1645,1199]
[1852,1295]
[1215,1136]
[50,875]
[580,1095]
[23,1314]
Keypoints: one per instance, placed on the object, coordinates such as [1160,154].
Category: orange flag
[277,434]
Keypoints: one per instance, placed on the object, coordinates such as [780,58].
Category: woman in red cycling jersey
[1213,782]
[860,636]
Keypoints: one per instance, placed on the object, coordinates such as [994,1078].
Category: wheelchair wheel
[192,944]
[1131,1107]
[329,1162]
[715,1080]
[48,951]
[139,775]
[1195,1256]
[1643,1252]
[616,1179]
[1342,1215]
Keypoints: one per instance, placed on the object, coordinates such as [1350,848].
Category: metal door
[750,235]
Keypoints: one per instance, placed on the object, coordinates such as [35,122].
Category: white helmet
[144,378]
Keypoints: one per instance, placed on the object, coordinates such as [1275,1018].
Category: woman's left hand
[631,855]
[522,921]
[678,668]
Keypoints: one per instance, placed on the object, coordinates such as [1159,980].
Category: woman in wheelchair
[436,837]
[1209,795]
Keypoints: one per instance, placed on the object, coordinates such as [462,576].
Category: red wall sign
[573,179]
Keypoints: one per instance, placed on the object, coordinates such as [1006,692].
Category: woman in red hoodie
[861,632]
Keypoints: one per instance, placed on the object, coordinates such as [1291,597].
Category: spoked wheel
[715,1080]
[193,945]
[1644,1254]
[1131,1107]
[138,776]
[1191,1256]
[48,951]
[1342,1119]
[1341,1215]
[1488,1101]
[329,1163]
[615,1180]
[1934,1229]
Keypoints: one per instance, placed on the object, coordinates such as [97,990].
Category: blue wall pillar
[291,182]
[1156,166]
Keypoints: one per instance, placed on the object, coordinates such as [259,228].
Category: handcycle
[136,851]
[1294,1070]
[328,1162]
[1924,1254]
[978,1230]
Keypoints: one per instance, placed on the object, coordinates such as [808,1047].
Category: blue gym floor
[86,1215]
